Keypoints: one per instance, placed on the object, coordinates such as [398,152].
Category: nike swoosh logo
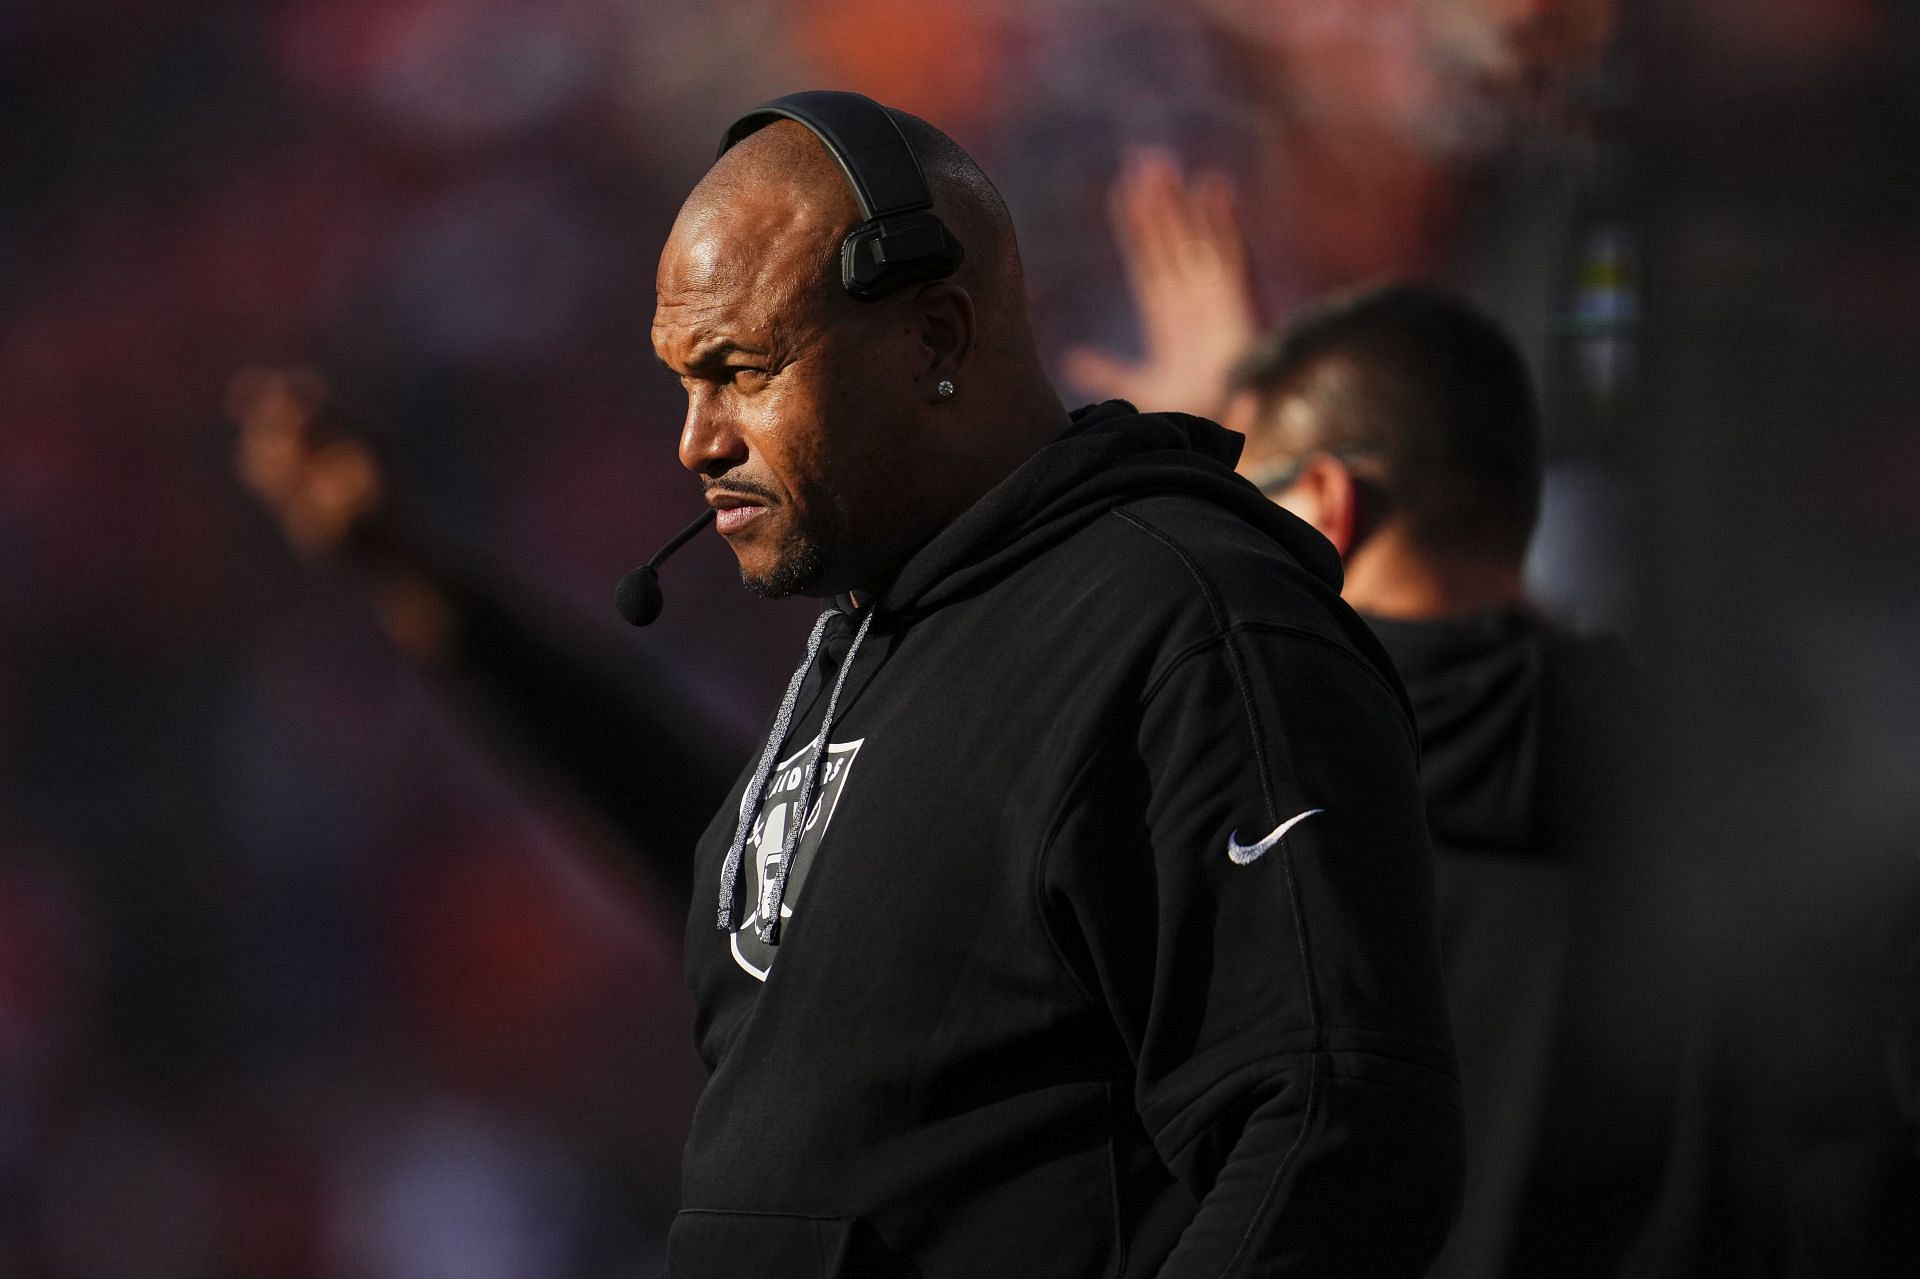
[1245,854]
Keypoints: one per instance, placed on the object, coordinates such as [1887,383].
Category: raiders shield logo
[769,835]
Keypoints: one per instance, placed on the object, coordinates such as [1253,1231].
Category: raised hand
[1186,262]
[324,488]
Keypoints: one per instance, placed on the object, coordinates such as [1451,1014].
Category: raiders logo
[769,835]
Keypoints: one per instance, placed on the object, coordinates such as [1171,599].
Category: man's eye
[747,375]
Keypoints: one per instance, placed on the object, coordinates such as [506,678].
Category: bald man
[1076,918]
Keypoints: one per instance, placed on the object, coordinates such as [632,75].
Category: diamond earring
[943,389]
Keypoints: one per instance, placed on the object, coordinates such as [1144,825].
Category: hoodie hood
[1477,686]
[1110,454]
[1501,698]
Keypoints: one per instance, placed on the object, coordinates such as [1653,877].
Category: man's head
[1396,414]
[817,422]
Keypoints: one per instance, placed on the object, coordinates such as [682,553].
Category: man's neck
[1385,577]
[994,439]
[1004,427]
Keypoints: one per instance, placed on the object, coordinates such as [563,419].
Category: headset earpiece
[885,254]
[899,240]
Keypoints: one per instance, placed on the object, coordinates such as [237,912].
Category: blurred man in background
[1400,423]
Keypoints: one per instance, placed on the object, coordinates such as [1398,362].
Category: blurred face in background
[1448,76]
[1516,51]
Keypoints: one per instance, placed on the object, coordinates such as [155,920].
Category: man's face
[1453,77]
[791,423]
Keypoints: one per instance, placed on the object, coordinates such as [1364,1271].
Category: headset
[899,240]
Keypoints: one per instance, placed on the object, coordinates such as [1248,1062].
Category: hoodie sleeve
[626,747]
[1242,879]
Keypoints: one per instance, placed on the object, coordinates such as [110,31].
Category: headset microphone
[638,594]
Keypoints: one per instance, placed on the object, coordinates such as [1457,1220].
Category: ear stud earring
[943,389]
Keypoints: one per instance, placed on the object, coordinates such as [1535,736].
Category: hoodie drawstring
[750,802]
[768,929]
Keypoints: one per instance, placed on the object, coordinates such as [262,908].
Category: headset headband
[899,240]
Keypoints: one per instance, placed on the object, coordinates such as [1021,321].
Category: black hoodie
[1547,910]
[1107,946]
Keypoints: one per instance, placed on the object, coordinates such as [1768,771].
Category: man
[1076,918]
[1400,423]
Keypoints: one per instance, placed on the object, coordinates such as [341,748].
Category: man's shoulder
[1162,576]
[1184,554]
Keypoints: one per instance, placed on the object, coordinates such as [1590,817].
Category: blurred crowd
[300,977]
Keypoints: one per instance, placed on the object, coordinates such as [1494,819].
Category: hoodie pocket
[711,1244]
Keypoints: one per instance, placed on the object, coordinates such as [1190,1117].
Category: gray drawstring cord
[750,802]
[769,928]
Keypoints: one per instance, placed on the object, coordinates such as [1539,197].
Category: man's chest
[912,885]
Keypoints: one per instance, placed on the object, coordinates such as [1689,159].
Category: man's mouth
[734,511]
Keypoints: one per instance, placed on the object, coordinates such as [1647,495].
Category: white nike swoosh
[1244,854]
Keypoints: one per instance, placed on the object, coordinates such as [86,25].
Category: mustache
[739,488]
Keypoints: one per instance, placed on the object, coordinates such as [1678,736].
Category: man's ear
[1326,497]
[946,319]
[1241,413]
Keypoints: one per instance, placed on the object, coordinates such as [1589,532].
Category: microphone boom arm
[637,597]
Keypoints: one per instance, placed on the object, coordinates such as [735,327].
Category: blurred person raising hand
[621,745]
[326,488]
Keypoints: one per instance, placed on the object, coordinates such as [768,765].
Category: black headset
[899,241]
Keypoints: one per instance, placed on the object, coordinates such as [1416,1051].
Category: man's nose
[710,441]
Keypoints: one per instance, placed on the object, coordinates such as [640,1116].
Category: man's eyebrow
[708,354]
